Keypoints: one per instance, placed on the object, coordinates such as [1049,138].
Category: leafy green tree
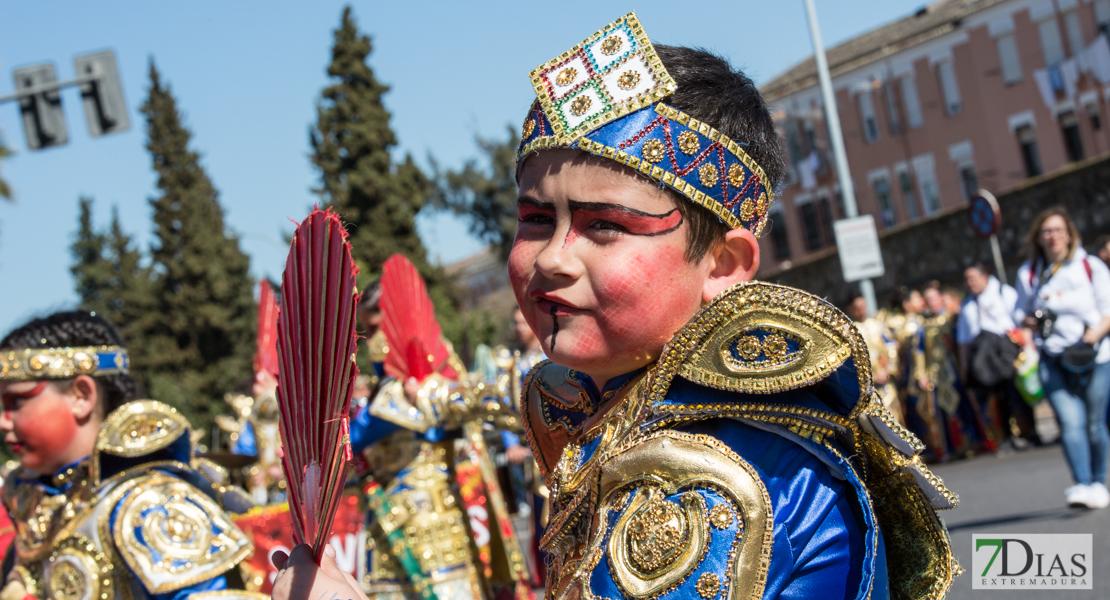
[111,280]
[377,198]
[200,339]
[486,194]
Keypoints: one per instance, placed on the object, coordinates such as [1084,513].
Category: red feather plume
[316,348]
[265,355]
[416,348]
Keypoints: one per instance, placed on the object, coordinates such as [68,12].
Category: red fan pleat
[265,355]
[316,344]
[409,322]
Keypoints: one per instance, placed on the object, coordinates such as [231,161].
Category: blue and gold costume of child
[141,517]
[753,459]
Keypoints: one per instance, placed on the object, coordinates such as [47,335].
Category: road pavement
[1020,492]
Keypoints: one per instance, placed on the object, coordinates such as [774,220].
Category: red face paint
[609,275]
[39,426]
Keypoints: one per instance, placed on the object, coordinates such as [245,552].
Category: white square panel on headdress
[612,47]
[592,101]
[563,78]
[629,80]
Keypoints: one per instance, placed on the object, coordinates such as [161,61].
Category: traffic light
[44,123]
[105,109]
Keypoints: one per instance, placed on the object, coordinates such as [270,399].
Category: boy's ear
[86,396]
[732,261]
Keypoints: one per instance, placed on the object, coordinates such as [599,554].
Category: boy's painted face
[598,264]
[38,424]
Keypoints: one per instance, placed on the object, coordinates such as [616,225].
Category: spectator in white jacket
[1064,296]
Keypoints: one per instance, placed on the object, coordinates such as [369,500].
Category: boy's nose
[558,259]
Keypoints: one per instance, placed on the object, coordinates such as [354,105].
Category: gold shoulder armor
[762,338]
[427,411]
[138,429]
[172,536]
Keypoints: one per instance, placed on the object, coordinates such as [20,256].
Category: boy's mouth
[553,307]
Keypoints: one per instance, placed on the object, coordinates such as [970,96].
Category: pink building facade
[965,94]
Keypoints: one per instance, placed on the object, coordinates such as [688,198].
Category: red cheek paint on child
[44,428]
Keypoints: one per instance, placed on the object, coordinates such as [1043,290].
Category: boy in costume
[109,501]
[702,435]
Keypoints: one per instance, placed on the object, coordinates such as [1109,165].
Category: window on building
[925,171]
[1008,56]
[811,225]
[1051,44]
[905,185]
[1075,32]
[1093,114]
[892,110]
[1073,143]
[1027,138]
[793,141]
[886,205]
[779,242]
[824,211]
[969,180]
[949,88]
[867,114]
[1102,15]
[911,102]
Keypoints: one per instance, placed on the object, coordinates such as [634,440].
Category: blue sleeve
[212,585]
[510,439]
[245,443]
[366,430]
[819,547]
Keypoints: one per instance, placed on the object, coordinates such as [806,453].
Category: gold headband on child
[62,363]
[603,96]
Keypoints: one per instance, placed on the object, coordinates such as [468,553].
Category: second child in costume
[109,501]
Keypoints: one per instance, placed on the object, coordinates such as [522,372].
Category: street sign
[44,122]
[857,242]
[985,217]
[102,95]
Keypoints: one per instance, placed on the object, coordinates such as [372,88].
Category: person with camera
[1064,297]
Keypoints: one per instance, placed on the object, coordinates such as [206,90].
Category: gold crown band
[62,363]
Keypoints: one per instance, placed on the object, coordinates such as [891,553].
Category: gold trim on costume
[185,536]
[62,363]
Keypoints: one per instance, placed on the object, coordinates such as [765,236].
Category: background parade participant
[987,353]
[883,350]
[92,455]
[1064,297]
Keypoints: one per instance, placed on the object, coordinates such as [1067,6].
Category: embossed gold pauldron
[62,363]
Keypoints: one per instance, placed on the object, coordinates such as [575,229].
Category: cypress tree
[377,198]
[5,191]
[199,339]
[112,282]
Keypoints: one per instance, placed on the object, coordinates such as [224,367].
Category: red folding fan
[316,349]
[416,348]
[265,354]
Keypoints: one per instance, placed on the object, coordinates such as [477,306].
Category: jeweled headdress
[604,96]
[62,363]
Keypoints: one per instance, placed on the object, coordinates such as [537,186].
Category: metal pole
[832,118]
[49,87]
[999,268]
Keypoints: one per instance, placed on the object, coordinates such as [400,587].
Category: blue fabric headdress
[604,96]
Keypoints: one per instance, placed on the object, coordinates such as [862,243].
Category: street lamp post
[866,288]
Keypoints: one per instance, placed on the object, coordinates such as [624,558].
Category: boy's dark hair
[75,329]
[710,90]
[979,266]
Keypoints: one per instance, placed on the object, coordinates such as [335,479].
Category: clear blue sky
[247,76]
